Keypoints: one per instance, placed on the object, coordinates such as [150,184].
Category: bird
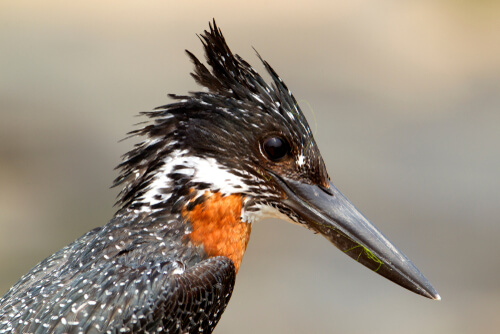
[207,166]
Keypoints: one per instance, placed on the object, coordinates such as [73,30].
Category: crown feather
[237,97]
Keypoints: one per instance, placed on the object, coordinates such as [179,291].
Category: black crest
[237,105]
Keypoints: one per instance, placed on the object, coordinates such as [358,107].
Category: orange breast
[218,227]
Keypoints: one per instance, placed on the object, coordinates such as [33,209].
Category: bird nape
[209,165]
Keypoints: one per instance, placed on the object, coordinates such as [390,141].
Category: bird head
[246,143]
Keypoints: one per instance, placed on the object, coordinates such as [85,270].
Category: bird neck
[212,223]
[217,226]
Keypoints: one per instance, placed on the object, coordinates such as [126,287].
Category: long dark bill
[331,214]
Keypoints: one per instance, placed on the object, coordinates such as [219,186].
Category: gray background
[403,97]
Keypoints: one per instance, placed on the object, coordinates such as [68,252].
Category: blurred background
[403,97]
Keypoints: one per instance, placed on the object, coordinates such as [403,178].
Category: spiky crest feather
[233,85]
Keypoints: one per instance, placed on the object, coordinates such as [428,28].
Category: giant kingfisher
[208,166]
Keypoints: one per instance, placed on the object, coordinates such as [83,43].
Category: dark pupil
[276,148]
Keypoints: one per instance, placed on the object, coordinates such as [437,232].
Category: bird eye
[276,148]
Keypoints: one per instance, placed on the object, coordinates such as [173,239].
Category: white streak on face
[301,160]
[161,181]
[208,170]
[197,170]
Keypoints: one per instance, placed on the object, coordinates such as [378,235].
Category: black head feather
[227,123]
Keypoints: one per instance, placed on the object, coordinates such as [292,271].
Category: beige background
[404,99]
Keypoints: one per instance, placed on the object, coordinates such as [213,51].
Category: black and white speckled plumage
[139,273]
[135,274]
